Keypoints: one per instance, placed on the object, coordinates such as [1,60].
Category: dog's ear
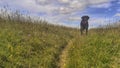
[82,17]
[87,17]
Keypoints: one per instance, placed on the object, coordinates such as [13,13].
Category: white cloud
[56,10]
[49,6]
[104,5]
[117,14]
[96,22]
[74,18]
[64,1]
[93,2]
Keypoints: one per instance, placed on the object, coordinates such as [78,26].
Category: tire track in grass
[64,54]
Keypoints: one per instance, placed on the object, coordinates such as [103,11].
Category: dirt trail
[64,54]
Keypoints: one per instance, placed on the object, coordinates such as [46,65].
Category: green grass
[39,45]
[28,45]
[100,49]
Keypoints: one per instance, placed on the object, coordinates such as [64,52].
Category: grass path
[63,58]
[64,54]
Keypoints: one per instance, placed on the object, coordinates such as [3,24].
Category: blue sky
[68,12]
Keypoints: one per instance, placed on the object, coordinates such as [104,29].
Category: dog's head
[86,18]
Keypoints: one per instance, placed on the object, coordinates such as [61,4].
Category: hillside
[32,45]
[41,45]
[101,49]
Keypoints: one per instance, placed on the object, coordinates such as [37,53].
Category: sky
[68,12]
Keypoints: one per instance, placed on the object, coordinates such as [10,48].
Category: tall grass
[25,43]
[29,43]
[101,49]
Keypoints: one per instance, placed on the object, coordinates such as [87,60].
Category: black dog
[84,24]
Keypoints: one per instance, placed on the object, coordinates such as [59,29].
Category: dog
[84,24]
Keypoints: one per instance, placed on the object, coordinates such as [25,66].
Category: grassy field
[41,45]
[100,49]
[28,45]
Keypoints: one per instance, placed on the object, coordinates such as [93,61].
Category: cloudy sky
[68,12]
